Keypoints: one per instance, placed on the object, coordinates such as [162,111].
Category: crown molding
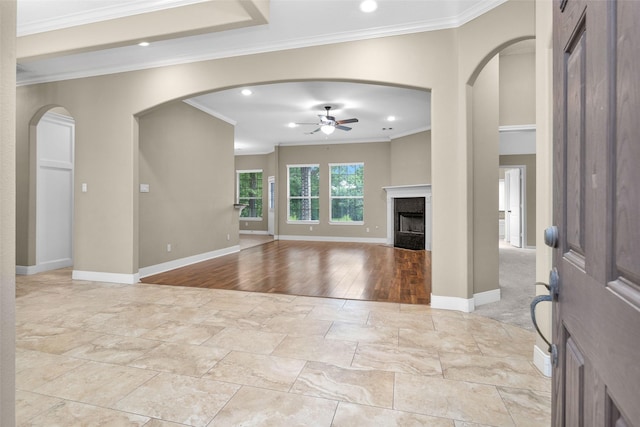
[121,10]
[209,111]
[271,46]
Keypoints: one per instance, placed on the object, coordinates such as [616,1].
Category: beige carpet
[517,279]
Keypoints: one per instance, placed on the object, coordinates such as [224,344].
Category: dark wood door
[597,210]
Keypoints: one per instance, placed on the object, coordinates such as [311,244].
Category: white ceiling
[261,119]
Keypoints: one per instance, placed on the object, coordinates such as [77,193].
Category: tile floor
[97,354]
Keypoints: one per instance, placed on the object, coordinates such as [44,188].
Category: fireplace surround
[413,219]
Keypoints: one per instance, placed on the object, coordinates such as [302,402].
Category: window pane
[305,209]
[250,194]
[347,192]
[304,181]
[253,209]
[347,210]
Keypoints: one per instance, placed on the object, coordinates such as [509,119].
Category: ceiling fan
[329,123]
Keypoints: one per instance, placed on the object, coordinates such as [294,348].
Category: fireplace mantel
[419,190]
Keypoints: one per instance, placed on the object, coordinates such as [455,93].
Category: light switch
[144,188]
[84,187]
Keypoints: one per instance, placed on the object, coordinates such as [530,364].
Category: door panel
[596,318]
[514,208]
[54,192]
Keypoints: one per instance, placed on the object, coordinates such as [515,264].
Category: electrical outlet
[228,237]
[367,229]
[311,228]
[168,247]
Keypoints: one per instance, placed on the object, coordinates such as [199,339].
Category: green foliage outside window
[304,188]
[250,194]
[347,192]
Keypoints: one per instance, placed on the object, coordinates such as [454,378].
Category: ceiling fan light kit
[328,124]
[327,129]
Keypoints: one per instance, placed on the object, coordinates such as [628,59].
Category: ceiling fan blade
[312,132]
[343,127]
[341,122]
[306,124]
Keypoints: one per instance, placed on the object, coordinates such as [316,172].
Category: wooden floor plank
[361,271]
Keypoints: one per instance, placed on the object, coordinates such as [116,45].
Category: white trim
[279,45]
[377,240]
[251,219]
[410,132]
[517,128]
[452,303]
[542,361]
[177,263]
[27,270]
[200,106]
[115,11]
[98,276]
[487,297]
[261,232]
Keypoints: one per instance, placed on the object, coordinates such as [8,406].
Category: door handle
[553,287]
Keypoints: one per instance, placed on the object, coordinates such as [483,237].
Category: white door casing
[514,207]
[271,205]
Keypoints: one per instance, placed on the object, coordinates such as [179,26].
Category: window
[304,183]
[250,193]
[347,193]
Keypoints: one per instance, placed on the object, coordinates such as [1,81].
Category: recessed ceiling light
[368,6]
[391,118]
[144,44]
[292,125]
[246,92]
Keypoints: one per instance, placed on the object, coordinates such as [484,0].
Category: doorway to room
[55,144]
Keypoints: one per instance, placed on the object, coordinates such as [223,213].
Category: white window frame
[289,221]
[261,198]
[331,197]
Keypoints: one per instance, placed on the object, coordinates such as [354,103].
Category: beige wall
[517,89]
[104,107]
[7,211]
[375,157]
[485,176]
[529,161]
[410,159]
[266,164]
[186,157]
[544,157]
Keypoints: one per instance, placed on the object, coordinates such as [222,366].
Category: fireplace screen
[411,223]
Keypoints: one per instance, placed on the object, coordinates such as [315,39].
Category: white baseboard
[261,232]
[452,303]
[542,361]
[98,276]
[380,240]
[486,297]
[46,266]
[26,270]
[177,263]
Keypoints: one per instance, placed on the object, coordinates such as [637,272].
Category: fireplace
[409,225]
[414,224]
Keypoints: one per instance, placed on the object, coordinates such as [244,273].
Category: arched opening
[51,203]
[253,135]
[503,146]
